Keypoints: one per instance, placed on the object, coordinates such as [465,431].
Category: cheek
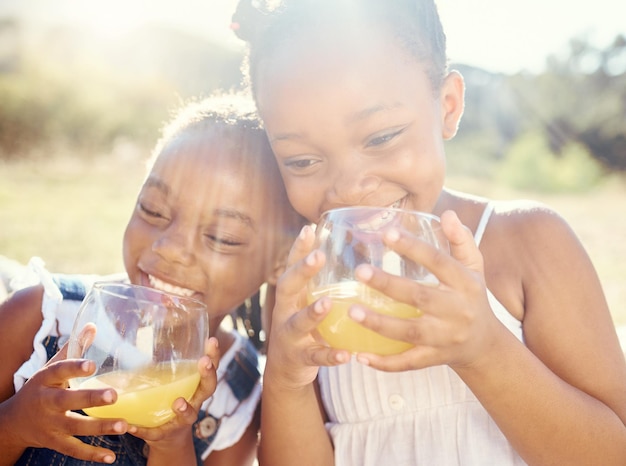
[230,284]
[304,197]
[136,236]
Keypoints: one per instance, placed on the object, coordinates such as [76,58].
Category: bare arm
[558,400]
[561,399]
[293,429]
[20,318]
[39,415]
[292,418]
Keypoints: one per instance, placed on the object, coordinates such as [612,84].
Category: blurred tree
[581,98]
[70,91]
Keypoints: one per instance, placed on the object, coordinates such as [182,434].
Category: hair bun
[247,20]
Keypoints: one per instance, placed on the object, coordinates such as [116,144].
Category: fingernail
[320,306]
[118,426]
[363,360]
[85,366]
[108,459]
[356,313]
[364,272]
[209,365]
[303,232]
[108,396]
[392,235]
[310,259]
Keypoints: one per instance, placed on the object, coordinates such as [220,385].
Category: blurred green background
[80,112]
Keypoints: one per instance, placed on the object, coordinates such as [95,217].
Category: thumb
[462,245]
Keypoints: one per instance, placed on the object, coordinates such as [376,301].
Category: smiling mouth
[169,288]
[378,219]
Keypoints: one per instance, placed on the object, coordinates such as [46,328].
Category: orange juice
[145,397]
[341,332]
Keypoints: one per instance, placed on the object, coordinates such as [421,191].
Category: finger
[462,245]
[86,336]
[186,415]
[57,373]
[80,424]
[402,329]
[208,382]
[60,355]
[302,245]
[425,297]
[414,358]
[212,350]
[322,355]
[446,268]
[79,399]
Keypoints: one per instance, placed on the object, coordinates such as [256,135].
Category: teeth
[169,288]
[376,222]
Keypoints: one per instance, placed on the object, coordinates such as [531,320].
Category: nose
[175,245]
[352,186]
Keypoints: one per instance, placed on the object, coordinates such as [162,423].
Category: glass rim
[420,213]
[106,287]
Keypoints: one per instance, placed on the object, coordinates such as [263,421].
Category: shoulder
[20,318]
[533,229]
[22,308]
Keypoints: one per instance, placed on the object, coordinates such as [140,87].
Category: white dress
[420,417]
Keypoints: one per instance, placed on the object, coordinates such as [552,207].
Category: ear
[452,103]
[277,270]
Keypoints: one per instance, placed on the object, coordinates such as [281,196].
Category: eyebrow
[369,111]
[153,182]
[351,119]
[237,215]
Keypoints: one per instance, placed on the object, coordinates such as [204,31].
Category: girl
[515,359]
[212,220]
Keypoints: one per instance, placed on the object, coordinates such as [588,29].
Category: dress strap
[482,224]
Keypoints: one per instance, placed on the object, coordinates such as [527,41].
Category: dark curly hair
[268,26]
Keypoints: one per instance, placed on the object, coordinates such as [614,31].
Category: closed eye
[149,212]
[224,241]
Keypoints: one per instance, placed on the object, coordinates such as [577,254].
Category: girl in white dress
[515,359]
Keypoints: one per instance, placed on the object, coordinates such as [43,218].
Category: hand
[40,413]
[456,317]
[175,432]
[294,351]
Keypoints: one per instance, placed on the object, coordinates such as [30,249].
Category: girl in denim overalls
[212,220]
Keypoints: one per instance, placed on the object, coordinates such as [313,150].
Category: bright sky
[499,35]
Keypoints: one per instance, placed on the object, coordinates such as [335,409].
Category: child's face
[356,125]
[201,227]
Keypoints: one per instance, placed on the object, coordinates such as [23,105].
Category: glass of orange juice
[145,343]
[352,236]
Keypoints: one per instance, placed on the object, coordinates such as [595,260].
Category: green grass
[73,213]
[69,212]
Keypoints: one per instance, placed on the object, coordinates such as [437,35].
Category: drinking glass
[146,346]
[352,236]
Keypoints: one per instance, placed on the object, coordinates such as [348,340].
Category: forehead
[204,173]
[362,72]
